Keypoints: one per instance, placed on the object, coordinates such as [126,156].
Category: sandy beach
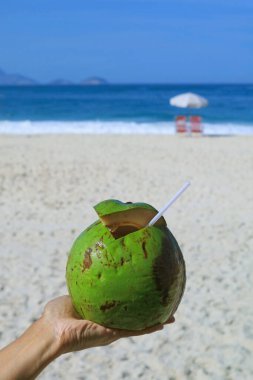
[48,185]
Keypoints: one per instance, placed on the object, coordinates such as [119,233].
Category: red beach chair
[196,124]
[181,126]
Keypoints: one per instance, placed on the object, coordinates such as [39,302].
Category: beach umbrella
[188,100]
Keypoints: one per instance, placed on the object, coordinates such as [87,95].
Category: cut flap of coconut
[125,218]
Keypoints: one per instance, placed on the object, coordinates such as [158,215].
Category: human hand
[73,333]
[59,330]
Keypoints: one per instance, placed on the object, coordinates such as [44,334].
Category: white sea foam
[113,127]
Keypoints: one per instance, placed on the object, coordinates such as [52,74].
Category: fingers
[148,330]
[170,320]
[157,327]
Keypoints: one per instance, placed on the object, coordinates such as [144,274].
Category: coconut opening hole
[123,230]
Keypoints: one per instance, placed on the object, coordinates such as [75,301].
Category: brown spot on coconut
[87,261]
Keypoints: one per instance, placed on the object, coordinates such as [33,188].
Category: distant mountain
[93,81]
[60,82]
[21,80]
[15,80]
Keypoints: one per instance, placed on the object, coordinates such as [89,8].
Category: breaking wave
[28,127]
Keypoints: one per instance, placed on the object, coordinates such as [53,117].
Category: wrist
[26,357]
[51,340]
[40,346]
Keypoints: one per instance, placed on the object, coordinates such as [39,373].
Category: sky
[129,41]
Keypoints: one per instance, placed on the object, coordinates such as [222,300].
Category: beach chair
[196,124]
[181,126]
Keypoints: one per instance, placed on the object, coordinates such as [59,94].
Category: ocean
[121,109]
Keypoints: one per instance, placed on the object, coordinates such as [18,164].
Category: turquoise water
[121,108]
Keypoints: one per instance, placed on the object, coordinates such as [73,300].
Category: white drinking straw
[173,199]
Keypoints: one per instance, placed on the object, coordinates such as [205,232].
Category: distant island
[15,80]
[93,81]
[21,80]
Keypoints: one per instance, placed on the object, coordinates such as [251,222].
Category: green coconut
[125,275]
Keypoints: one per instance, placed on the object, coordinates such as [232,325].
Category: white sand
[48,185]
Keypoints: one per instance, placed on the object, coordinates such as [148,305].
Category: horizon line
[41,84]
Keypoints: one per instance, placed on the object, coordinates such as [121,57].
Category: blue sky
[129,41]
